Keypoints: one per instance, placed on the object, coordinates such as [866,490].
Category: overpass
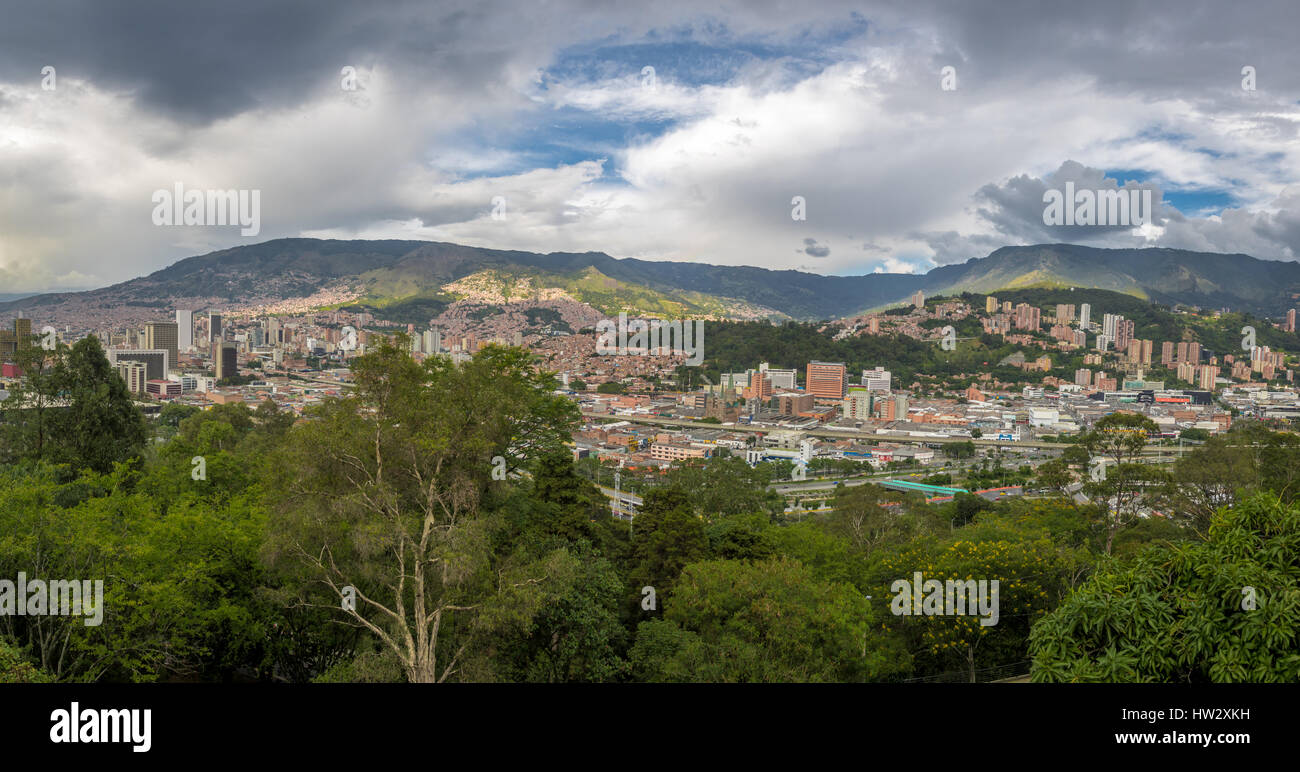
[858,434]
[915,487]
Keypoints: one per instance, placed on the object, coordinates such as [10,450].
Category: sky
[659,130]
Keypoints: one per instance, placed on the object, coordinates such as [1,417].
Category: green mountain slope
[388,274]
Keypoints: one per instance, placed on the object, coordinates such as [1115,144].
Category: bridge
[930,491]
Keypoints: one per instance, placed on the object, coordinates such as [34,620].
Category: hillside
[413,280]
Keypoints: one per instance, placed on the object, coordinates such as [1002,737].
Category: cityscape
[348,349]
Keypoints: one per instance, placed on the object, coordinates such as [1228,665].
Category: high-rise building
[157,361]
[1085,315]
[184,329]
[135,373]
[215,329]
[10,342]
[164,336]
[1028,317]
[1167,353]
[1290,321]
[781,379]
[1083,377]
[857,404]
[877,379]
[274,331]
[1147,350]
[1108,323]
[918,299]
[225,360]
[990,305]
[1124,329]
[1207,376]
[827,380]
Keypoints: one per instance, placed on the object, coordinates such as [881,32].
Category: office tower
[214,326]
[781,379]
[163,336]
[184,329]
[877,379]
[135,373]
[1085,315]
[157,361]
[826,380]
[10,342]
[274,331]
[226,360]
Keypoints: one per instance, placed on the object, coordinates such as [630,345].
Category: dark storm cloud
[201,61]
[813,249]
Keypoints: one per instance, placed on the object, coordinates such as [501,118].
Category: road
[858,434]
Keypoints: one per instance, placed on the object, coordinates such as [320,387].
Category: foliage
[1181,613]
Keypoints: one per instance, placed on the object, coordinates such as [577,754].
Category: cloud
[546,106]
[813,249]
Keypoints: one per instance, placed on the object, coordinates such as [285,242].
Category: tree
[959,449]
[383,498]
[1033,571]
[666,536]
[1223,610]
[768,621]
[1208,479]
[1118,439]
[72,408]
[611,387]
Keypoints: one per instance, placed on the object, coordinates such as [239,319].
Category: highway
[858,434]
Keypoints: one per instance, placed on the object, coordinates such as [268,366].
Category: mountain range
[416,280]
